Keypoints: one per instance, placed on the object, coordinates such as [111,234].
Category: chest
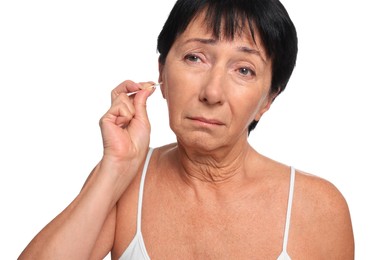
[172,229]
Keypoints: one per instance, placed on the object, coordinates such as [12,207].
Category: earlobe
[262,111]
[265,108]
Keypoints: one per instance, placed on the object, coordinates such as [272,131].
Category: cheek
[173,95]
[244,114]
[176,89]
[245,110]
[174,99]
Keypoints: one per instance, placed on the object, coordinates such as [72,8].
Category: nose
[212,91]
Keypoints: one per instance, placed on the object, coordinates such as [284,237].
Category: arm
[336,229]
[325,224]
[90,218]
[83,220]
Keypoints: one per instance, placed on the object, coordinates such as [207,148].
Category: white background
[59,61]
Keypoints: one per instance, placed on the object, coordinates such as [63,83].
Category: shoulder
[317,189]
[322,215]
[320,194]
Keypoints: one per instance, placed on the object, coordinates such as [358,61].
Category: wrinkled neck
[215,167]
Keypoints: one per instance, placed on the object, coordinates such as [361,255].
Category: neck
[218,166]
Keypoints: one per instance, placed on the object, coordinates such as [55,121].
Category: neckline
[139,236]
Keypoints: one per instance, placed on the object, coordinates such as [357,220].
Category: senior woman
[210,195]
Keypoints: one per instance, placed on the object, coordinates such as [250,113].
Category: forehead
[201,27]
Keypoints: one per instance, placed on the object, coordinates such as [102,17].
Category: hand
[125,127]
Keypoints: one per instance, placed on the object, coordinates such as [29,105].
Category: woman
[210,195]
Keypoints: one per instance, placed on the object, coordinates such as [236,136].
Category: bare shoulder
[321,217]
[321,195]
[320,191]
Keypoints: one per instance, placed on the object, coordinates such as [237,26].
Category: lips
[206,120]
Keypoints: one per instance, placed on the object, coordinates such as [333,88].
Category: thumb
[140,104]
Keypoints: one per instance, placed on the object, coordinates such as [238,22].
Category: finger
[140,104]
[125,87]
[124,101]
[145,85]
[124,118]
[117,116]
[139,127]
[122,110]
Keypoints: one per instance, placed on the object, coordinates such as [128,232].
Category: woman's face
[214,88]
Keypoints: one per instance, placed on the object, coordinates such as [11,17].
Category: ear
[160,77]
[266,106]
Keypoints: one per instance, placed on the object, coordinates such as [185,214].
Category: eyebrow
[251,51]
[211,41]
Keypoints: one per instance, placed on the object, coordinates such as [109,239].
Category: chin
[200,142]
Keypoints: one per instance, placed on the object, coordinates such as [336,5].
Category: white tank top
[136,249]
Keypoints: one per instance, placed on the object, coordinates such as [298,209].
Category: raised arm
[85,229]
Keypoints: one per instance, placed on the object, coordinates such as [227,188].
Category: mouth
[206,121]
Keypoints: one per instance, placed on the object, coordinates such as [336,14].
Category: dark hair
[269,17]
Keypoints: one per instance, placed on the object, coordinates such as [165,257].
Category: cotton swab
[152,86]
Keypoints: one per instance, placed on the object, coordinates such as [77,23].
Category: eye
[192,58]
[246,72]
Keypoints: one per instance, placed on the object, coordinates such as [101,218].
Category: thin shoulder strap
[141,189]
[289,206]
